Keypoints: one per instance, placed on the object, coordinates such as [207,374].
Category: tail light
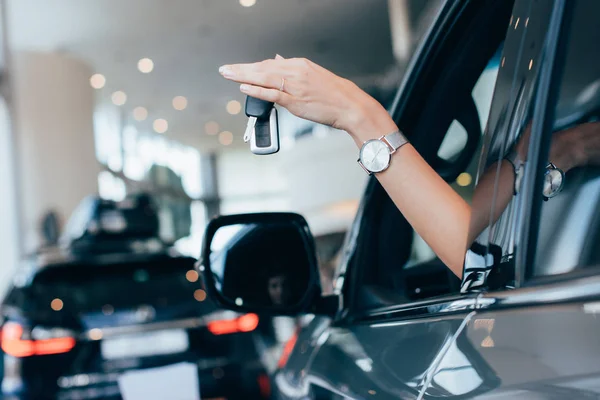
[245,323]
[18,342]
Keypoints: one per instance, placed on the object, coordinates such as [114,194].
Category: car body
[115,303]
[400,324]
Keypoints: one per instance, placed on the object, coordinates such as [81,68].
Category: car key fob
[265,139]
[263,128]
[260,109]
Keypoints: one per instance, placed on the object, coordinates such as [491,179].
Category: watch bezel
[549,170]
[364,146]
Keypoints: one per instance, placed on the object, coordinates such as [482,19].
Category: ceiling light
[225,138]
[97,81]
[234,107]
[180,103]
[145,65]
[119,98]
[211,128]
[247,3]
[140,113]
[160,125]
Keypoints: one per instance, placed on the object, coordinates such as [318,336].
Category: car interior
[386,238]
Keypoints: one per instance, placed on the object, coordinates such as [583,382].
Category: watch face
[553,182]
[375,155]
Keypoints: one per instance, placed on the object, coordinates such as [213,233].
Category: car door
[540,333]
[395,327]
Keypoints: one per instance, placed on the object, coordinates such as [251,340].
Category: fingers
[267,73]
[262,93]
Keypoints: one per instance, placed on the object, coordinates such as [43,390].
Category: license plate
[179,381]
[145,344]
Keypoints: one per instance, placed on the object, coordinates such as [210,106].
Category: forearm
[483,197]
[436,212]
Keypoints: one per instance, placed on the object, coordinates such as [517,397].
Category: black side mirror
[261,263]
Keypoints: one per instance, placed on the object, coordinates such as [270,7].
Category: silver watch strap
[395,140]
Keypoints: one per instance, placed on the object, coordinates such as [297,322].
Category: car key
[255,108]
[263,129]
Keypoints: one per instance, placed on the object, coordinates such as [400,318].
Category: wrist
[368,121]
[566,151]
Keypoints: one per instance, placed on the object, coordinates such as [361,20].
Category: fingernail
[244,87]
[278,57]
[225,71]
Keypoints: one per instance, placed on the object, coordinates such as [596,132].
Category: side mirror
[263,263]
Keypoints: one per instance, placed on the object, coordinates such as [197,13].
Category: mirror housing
[263,263]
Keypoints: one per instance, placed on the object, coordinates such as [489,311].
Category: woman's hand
[312,92]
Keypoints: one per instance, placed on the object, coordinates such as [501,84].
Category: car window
[393,265]
[496,199]
[569,228]
[454,141]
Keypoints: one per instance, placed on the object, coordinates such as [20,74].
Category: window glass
[496,197]
[107,137]
[569,230]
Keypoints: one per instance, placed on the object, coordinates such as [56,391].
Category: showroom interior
[105,100]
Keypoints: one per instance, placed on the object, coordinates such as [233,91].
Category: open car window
[392,264]
[496,200]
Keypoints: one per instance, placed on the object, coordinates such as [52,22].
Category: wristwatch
[375,154]
[554,181]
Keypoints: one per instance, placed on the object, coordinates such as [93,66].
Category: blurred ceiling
[189,39]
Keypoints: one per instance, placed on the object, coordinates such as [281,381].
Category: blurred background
[116,109]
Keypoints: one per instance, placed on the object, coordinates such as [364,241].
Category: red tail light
[245,323]
[13,345]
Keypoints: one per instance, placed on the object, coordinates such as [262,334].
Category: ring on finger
[282,86]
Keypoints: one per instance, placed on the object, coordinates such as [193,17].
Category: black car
[522,323]
[81,322]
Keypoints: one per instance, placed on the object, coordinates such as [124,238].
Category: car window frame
[543,102]
[546,98]
[534,207]
[347,275]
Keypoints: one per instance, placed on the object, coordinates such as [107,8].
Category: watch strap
[395,140]
[517,165]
